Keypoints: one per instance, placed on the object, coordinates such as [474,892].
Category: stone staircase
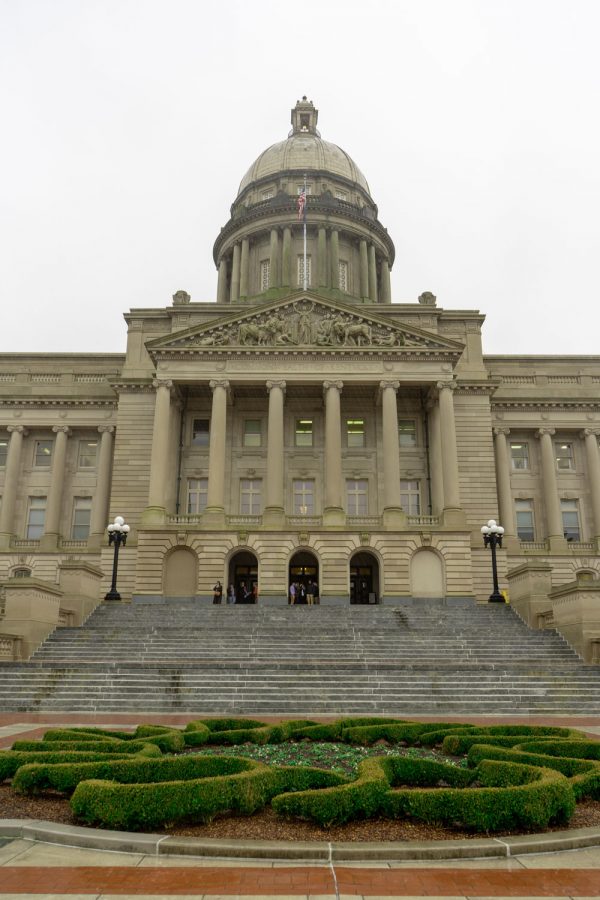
[423,657]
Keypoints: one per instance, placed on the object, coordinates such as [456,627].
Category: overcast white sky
[128,124]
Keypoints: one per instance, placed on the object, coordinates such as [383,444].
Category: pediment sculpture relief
[307,324]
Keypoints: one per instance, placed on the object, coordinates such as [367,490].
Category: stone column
[335,258]
[452,511]
[392,511]
[234,290]
[322,256]
[244,265]
[364,270]
[590,436]
[333,513]
[274,256]
[506,507]
[222,296]
[372,274]
[99,517]
[49,539]
[435,459]
[386,288]
[274,505]
[159,460]
[286,257]
[215,500]
[550,486]
[11,481]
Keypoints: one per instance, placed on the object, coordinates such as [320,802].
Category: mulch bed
[266,826]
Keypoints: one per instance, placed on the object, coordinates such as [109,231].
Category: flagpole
[304,217]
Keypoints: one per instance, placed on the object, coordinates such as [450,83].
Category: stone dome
[303,150]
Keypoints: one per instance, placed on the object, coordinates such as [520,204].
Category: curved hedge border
[519,775]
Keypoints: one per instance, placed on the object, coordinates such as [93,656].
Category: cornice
[133,386]
[217,354]
[556,404]
[486,388]
[32,402]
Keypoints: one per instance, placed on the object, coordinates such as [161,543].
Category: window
[200,432]
[252,433]
[570,519]
[357,496]
[300,187]
[410,497]
[43,454]
[304,497]
[519,456]
[407,432]
[304,433]
[524,515]
[197,492]
[87,454]
[268,194]
[36,516]
[82,510]
[250,496]
[22,572]
[340,195]
[564,456]
[301,270]
[355,431]
[343,275]
[265,274]
[3,452]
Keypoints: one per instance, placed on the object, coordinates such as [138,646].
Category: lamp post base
[496,597]
[112,595]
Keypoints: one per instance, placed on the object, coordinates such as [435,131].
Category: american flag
[302,203]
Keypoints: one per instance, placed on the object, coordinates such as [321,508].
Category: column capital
[446,385]
[589,432]
[215,384]
[337,385]
[64,429]
[275,384]
[162,382]
[501,429]
[20,429]
[106,429]
[542,431]
[394,385]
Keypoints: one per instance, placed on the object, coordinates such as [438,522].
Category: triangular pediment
[305,323]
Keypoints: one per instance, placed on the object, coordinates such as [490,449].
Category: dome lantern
[304,117]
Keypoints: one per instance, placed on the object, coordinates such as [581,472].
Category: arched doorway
[243,575]
[304,567]
[364,578]
[427,574]
[181,573]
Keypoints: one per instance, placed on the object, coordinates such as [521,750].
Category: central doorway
[304,567]
[243,575]
[364,578]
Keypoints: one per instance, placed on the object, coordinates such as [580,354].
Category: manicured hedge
[394,732]
[11,760]
[121,747]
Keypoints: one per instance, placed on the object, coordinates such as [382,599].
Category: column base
[334,515]
[557,543]
[213,517]
[49,542]
[394,517]
[273,517]
[510,543]
[453,517]
[153,515]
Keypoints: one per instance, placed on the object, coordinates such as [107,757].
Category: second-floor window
[200,432]
[252,433]
[3,453]
[304,497]
[407,432]
[343,275]
[564,456]
[250,496]
[265,274]
[197,492]
[301,270]
[82,511]
[519,455]
[42,456]
[570,519]
[88,451]
[410,496]
[304,433]
[36,518]
[357,496]
[525,523]
[355,432]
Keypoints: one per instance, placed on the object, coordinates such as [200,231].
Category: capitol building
[309,424]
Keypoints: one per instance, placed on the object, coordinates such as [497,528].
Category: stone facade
[289,431]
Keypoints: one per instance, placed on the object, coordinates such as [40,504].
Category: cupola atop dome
[304,117]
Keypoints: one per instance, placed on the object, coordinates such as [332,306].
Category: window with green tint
[570,519]
[36,517]
[355,430]
[200,432]
[564,456]
[407,432]
[82,511]
[304,433]
[43,454]
[519,455]
[252,433]
[88,451]
[3,453]
[525,523]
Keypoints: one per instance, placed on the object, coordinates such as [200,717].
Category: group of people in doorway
[308,593]
[242,594]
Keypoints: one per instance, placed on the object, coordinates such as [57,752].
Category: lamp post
[117,535]
[492,538]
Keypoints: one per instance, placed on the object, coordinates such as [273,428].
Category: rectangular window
[88,451]
[524,515]
[43,454]
[410,497]
[407,432]
[341,195]
[197,492]
[300,187]
[268,194]
[3,453]
[355,431]
[250,496]
[357,496]
[519,456]
[304,497]
[200,432]
[304,433]
[564,456]
[343,275]
[252,433]
[36,516]
[82,511]
[301,270]
[265,274]
[570,519]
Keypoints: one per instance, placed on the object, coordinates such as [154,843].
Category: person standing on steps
[315,592]
[230,594]
[217,593]
[292,598]
[310,597]
[241,592]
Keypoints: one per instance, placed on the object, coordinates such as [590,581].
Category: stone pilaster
[386,287]
[505,500]
[363,270]
[99,517]
[333,513]
[453,514]
[244,268]
[159,460]
[286,257]
[590,437]
[234,290]
[372,274]
[435,459]
[50,537]
[274,506]
[334,254]
[215,501]
[11,481]
[222,294]
[322,256]
[275,280]
[551,502]
[392,511]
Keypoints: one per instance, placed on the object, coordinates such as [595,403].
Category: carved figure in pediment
[278,331]
[324,333]
[392,339]
[216,339]
[304,328]
[358,333]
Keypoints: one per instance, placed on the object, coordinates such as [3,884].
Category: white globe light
[485,529]
[491,523]
[126,529]
[119,520]
[111,528]
[500,529]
